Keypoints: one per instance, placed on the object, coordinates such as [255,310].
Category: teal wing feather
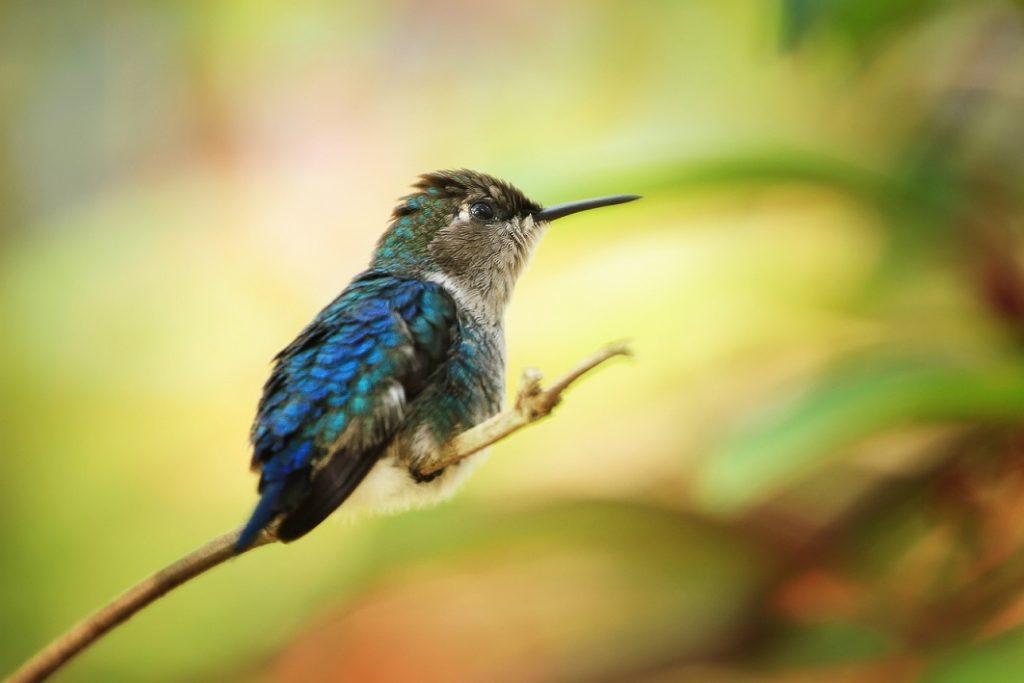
[337,393]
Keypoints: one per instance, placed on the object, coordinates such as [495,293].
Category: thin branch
[532,404]
[92,628]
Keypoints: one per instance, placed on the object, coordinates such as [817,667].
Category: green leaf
[803,432]
[998,660]
[769,166]
[829,643]
[800,16]
[863,23]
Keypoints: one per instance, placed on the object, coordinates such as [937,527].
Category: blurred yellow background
[808,472]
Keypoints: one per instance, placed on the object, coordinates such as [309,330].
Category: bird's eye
[482,211]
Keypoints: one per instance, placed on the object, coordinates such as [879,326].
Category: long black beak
[561,210]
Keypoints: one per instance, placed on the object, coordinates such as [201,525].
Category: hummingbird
[358,407]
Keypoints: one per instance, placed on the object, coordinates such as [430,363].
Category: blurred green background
[812,470]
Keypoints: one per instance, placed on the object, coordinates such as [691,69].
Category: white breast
[388,488]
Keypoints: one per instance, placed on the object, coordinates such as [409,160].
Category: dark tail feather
[329,489]
[265,511]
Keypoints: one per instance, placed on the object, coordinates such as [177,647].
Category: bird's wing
[337,394]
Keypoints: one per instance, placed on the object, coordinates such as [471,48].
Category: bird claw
[529,388]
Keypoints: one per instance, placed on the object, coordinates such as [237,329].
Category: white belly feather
[388,488]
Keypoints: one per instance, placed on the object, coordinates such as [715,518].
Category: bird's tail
[266,509]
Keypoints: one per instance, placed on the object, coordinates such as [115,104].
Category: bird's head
[471,231]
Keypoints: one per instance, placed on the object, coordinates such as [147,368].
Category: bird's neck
[485,304]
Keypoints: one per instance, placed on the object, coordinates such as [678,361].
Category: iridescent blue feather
[330,402]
